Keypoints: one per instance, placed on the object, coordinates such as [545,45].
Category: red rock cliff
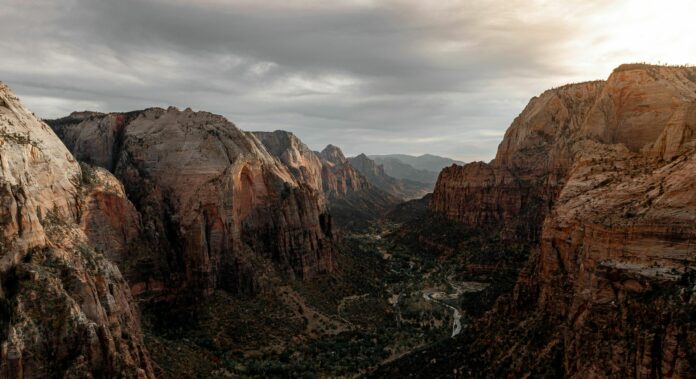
[221,210]
[65,311]
[604,175]
[516,190]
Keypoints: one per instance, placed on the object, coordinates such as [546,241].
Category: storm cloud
[441,77]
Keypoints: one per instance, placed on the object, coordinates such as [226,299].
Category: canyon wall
[338,175]
[218,209]
[300,160]
[601,177]
[516,190]
[65,309]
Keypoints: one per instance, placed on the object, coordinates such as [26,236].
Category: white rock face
[66,310]
[36,174]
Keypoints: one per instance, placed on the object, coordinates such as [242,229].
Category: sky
[372,76]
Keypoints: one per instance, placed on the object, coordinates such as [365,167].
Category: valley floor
[400,287]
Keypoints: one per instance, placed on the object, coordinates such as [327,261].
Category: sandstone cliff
[339,176]
[516,190]
[218,209]
[644,108]
[616,263]
[354,200]
[602,176]
[332,154]
[65,310]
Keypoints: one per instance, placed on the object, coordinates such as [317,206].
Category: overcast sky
[412,76]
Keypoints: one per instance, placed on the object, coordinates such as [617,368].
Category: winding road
[434,297]
[465,287]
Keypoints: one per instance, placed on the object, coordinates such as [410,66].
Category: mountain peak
[278,141]
[333,154]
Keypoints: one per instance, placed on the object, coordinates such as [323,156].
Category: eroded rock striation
[219,209]
[602,176]
[65,309]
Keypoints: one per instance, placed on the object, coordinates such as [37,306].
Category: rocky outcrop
[109,220]
[644,108]
[351,199]
[65,310]
[218,209]
[618,251]
[374,173]
[300,160]
[332,154]
[338,176]
[517,189]
[489,197]
[604,174]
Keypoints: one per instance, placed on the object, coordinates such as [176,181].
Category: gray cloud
[406,76]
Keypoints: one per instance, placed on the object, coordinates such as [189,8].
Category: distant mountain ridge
[427,162]
[375,174]
[400,170]
[424,168]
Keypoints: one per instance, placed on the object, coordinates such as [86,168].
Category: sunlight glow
[638,31]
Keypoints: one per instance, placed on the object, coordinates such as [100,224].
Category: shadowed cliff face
[601,175]
[65,310]
[217,208]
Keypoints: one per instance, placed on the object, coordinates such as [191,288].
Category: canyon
[170,243]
